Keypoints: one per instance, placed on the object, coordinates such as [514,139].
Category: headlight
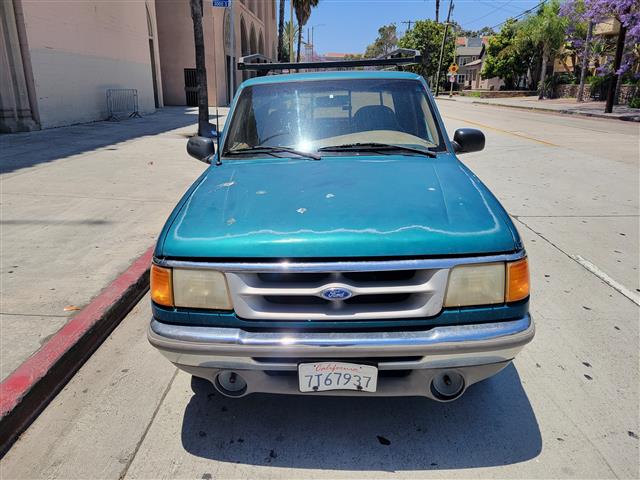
[476,285]
[188,288]
[488,283]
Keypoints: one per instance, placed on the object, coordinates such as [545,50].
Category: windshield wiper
[270,150]
[375,147]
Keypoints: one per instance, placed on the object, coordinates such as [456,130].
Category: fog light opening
[231,384]
[447,386]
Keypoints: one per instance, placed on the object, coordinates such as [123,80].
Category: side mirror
[467,140]
[202,148]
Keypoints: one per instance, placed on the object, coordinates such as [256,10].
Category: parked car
[337,246]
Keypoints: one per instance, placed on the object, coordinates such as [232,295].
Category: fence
[122,102]
[191,86]
[590,93]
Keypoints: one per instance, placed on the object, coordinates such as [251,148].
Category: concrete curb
[625,118]
[28,390]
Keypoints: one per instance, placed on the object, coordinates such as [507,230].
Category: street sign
[453,68]
[221,3]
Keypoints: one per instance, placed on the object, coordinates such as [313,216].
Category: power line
[522,14]
[491,3]
[490,12]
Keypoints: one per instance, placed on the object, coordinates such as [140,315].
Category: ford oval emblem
[336,294]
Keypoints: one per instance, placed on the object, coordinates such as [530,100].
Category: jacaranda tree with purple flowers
[627,52]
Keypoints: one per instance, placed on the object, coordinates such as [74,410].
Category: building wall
[79,50]
[177,50]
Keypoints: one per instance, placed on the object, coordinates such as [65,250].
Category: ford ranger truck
[337,246]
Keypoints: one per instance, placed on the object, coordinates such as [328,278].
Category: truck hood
[342,206]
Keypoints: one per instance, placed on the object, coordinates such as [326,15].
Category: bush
[595,80]
[565,79]
[634,102]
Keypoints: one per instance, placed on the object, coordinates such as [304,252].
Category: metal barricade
[122,102]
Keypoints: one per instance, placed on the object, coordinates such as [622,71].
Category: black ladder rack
[263,64]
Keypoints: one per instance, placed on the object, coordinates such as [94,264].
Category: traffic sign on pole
[221,3]
[453,68]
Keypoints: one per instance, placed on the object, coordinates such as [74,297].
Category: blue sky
[350,25]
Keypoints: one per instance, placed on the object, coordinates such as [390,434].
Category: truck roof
[332,75]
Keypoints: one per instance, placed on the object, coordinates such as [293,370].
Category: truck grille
[375,294]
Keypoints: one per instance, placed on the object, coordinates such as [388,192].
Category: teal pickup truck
[337,246]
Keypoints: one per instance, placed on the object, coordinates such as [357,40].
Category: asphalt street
[568,406]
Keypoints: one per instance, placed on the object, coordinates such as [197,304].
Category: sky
[348,26]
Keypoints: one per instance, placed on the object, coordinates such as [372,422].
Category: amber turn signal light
[161,286]
[517,280]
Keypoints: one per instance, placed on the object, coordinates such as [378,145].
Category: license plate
[323,376]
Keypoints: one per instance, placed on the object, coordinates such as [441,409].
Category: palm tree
[546,28]
[281,32]
[303,12]
[201,72]
[290,31]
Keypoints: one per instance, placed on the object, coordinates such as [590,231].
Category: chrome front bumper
[200,349]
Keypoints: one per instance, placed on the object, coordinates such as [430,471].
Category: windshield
[312,115]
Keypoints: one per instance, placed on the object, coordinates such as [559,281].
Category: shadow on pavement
[492,424]
[22,150]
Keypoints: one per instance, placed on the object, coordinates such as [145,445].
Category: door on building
[191,86]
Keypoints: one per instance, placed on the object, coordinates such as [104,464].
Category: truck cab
[337,246]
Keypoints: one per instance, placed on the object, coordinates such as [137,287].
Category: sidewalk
[556,105]
[78,205]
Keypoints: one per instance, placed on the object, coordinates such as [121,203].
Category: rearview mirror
[202,148]
[467,140]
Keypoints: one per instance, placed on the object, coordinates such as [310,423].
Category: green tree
[483,32]
[387,41]
[303,12]
[505,58]
[290,32]
[546,29]
[426,36]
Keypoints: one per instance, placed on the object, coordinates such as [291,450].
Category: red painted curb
[25,392]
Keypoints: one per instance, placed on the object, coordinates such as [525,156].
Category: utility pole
[201,72]
[437,10]
[408,23]
[444,40]
[313,38]
[585,63]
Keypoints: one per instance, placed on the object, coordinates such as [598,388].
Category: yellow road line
[502,131]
